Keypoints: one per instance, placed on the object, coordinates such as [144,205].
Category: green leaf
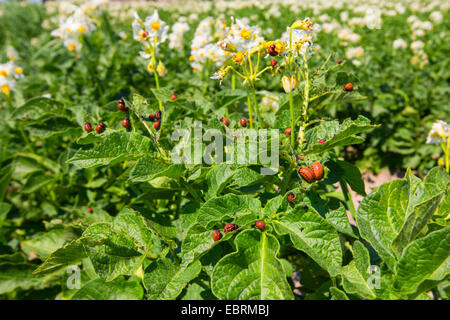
[198,289]
[89,138]
[272,206]
[239,208]
[4,209]
[253,271]
[396,213]
[5,177]
[54,127]
[352,176]
[282,116]
[115,147]
[147,169]
[44,243]
[18,275]
[339,219]
[118,289]
[37,181]
[70,254]
[40,107]
[118,248]
[217,178]
[314,235]
[198,241]
[159,223]
[246,176]
[141,104]
[355,275]
[164,280]
[337,97]
[342,136]
[337,294]
[425,258]
[162,94]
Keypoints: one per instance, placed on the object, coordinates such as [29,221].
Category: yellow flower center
[72,47]
[438,134]
[18,70]
[81,29]
[245,34]
[155,25]
[191,58]
[6,89]
[3,73]
[11,58]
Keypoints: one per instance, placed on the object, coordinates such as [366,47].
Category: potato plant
[136,177]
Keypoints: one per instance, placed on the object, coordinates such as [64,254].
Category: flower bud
[289,83]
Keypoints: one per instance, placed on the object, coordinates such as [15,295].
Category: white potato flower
[417,45]
[152,30]
[74,25]
[9,74]
[176,37]
[436,16]
[440,131]
[242,37]
[399,43]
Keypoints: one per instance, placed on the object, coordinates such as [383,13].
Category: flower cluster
[419,27]
[346,35]
[150,33]
[204,49]
[241,39]
[76,22]
[354,54]
[300,36]
[11,53]
[178,30]
[399,43]
[439,133]
[420,58]
[9,74]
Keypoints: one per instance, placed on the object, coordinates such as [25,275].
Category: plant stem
[152,136]
[301,132]
[206,71]
[348,198]
[249,108]
[157,87]
[446,148]
[256,105]
[25,138]
[10,106]
[291,109]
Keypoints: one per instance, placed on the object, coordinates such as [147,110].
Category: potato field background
[94,95]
